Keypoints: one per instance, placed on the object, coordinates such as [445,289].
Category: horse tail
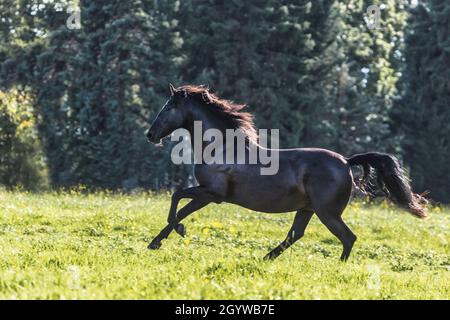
[392,180]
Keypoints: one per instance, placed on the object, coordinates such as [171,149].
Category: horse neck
[208,120]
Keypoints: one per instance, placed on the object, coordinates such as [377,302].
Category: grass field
[71,246]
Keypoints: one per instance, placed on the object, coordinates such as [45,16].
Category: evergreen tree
[22,29]
[423,114]
[361,86]
[313,69]
[265,53]
[96,88]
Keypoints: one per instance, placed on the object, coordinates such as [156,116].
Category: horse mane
[226,109]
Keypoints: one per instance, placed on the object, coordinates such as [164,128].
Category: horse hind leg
[297,231]
[338,227]
[330,214]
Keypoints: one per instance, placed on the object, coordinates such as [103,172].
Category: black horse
[308,180]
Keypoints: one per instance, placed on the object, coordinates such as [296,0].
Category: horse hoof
[181,230]
[272,255]
[269,257]
[154,245]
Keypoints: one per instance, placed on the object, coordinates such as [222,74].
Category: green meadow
[94,246]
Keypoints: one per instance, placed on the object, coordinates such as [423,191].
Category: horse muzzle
[151,136]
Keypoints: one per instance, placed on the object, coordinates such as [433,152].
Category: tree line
[75,102]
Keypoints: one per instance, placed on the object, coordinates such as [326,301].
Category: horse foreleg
[176,197]
[192,206]
[297,231]
[180,194]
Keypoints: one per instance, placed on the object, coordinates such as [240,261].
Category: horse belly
[268,196]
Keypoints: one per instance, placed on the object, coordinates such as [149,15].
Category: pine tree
[96,88]
[310,68]
[22,160]
[423,114]
[264,53]
[361,87]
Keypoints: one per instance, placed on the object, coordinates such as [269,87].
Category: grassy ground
[66,246]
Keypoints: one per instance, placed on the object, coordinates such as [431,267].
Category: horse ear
[172,89]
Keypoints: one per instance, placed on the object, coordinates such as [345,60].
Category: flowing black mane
[226,109]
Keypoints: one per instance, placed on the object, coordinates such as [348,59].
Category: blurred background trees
[313,69]
[22,161]
[422,116]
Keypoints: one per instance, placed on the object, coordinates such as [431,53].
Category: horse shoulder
[215,178]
